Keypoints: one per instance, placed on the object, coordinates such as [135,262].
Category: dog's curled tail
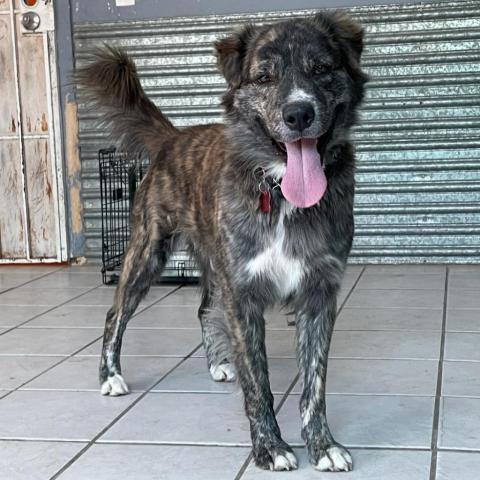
[110,84]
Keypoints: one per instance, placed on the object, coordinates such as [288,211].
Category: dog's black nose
[298,115]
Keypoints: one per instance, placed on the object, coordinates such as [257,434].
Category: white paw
[284,461]
[335,459]
[224,372]
[114,386]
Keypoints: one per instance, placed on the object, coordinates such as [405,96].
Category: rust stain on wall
[47,181]
[73,167]
[29,124]
[43,123]
[14,125]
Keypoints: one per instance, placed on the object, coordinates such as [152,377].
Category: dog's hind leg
[146,255]
[215,338]
[315,320]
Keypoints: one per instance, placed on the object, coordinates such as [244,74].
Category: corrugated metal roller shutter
[418,144]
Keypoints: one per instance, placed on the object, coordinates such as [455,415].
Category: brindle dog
[264,202]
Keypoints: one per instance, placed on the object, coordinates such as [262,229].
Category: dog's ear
[231,52]
[341,25]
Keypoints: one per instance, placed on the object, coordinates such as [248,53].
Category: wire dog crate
[120,176]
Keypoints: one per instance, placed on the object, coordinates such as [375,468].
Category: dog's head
[297,83]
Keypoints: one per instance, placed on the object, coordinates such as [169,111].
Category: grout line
[75,298]
[294,382]
[63,359]
[384,307]
[226,445]
[398,289]
[67,357]
[459,450]
[9,289]
[349,294]
[438,395]
[287,393]
[49,310]
[121,415]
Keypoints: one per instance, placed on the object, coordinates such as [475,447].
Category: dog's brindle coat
[204,183]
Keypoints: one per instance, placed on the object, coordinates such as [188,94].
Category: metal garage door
[418,144]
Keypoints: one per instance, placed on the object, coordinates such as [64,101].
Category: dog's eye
[320,69]
[263,79]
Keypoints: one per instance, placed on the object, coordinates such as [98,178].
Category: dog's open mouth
[304,182]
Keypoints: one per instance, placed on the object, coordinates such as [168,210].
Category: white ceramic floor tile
[184,418]
[463,321]
[154,462]
[14,371]
[48,341]
[375,344]
[396,298]
[407,269]
[167,317]
[380,377]
[461,379]
[14,277]
[464,279]
[354,270]
[193,376]
[71,316]
[463,268]
[462,299]
[342,295]
[87,268]
[13,315]
[160,342]
[64,279]
[409,281]
[459,425]
[58,415]
[186,296]
[280,343]
[34,460]
[81,373]
[8,282]
[276,319]
[33,270]
[458,466]
[368,421]
[462,346]
[368,465]
[104,296]
[389,319]
[361,344]
[39,296]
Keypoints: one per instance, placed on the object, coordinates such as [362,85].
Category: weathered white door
[32,217]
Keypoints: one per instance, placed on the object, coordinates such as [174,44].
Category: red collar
[264,202]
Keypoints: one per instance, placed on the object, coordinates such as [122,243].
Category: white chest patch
[284,271]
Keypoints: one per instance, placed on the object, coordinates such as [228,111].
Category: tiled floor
[398,329]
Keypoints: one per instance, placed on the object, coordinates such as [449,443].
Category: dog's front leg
[244,311]
[315,321]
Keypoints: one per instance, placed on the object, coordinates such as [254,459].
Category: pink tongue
[304,182]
